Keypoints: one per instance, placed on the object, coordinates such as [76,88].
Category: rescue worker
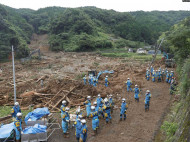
[78,127]
[18,126]
[137,91]
[99,101]
[128,83]
[65,122]
[111,101]
[95,120]
[159,76]
[153,76]
[96,106]
[15,110]
[84,130]
[167,76]
[151,70]
[84,78]
[148,75]
[95,81]
[163,75]
[172,85]
[106,81]
[165,71]
[107,110]
[63,106]
[78,112]
[88,105]
[170,77]
[147,100]
[123,109]
[89,79]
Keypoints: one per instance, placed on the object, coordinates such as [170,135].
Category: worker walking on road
[106,81]
[95,119]
[15,110]
[18,126]
[107,110]
[78,127]
[84,130]
[128,83]
[147,100]
[88,105]
[137,91]
[84,78]
[65,123]
[123,109]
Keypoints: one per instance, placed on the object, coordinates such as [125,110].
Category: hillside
[83,29]
[176,126]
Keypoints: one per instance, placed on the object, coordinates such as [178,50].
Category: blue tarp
[5,130]
[35,129]
[37,114]
[106,71]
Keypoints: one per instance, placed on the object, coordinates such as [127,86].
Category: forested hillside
[176,126]
[83,29]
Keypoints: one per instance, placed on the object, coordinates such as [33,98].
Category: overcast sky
[118,5]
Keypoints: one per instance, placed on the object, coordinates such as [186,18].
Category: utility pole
[14,74]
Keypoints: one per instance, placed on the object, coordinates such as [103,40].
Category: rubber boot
[94,132]
[120,119]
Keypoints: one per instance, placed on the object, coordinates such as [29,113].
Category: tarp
[35,129]
[5,130]
[106,71]
[37,114]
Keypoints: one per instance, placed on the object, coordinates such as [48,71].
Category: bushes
[169,128]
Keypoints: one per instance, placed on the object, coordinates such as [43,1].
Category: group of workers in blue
[17,119]
[93,80]
[162,75]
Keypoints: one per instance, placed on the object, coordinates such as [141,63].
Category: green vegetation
[177,40]
[82,29]
[6,110]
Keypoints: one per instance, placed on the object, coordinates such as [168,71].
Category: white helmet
[136,85]
[172,71]
[99,95]
[92,107]
[106,76]
[16,104]
[105,100]
[67,109]
[89,97]
[95,103]
[128,78]
[111,95]
[147,91]
[78,111]
[80,116]
[64,102]
[123,99]
[83,121]
[19,114]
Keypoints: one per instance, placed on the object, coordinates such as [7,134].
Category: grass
[6,110]
[123,53]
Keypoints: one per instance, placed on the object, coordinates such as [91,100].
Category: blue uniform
[159,76]
[91,80]
[151,70]
[123,112]
[95,82]
[107,111]
[100,104]
[170,77]
[153,77]
[88,107]
[84,78]
[95,120]
[62,108]
[65,119]
[137,91]
[128,83]
[106,82]
[18,128]
[78,127]
[147,101]
[83,134]
[148,76]
[15,110]
[167,77]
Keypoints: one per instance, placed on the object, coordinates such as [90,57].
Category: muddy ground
[65,70]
